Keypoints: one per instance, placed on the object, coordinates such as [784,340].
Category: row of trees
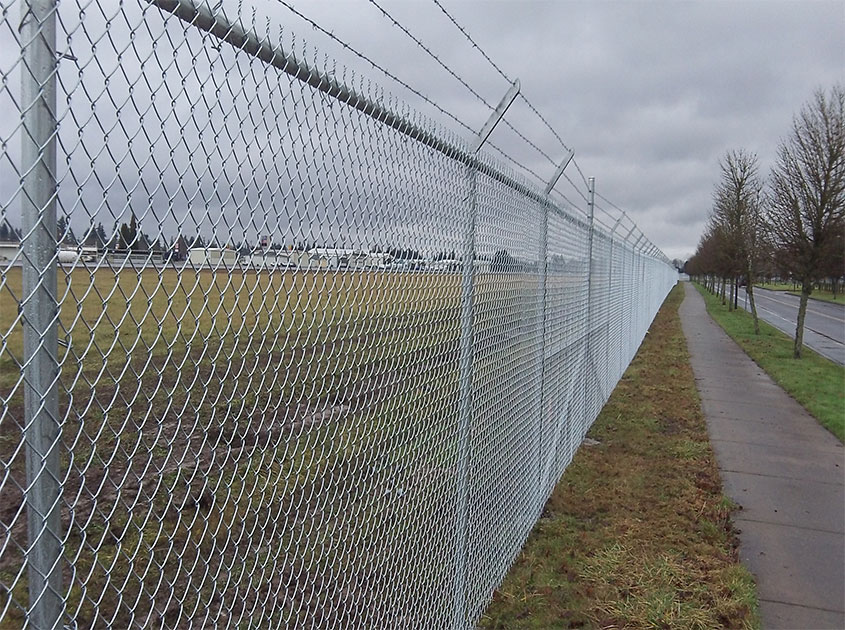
[790,226]
[129,237]
[126,237]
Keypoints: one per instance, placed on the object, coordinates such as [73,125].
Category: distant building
[445,264]
[337,258]
[214,257]
[274,259]
[378,260]
[330,257]
[73,254]
[68,256]
[295,258]
[9,250]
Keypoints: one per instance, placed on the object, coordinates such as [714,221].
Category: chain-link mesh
[275,351]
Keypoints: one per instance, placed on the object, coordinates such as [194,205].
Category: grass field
[196,404]
[237,438]
[814,381]
[818,294]
[637,534]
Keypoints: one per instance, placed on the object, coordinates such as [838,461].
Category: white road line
[809,310]
[765,310]
[792,324]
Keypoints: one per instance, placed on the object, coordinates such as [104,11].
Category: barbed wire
[575,188]
[545,122]
[531,144]
[454,74]
[472,41]
[452,116]
[431,54]
[633,223]
[611,204]
[405,85]
[531,106]
[597,219]
[571,203]
[581,173]
[616,218]
[501,72]
[520,165]
[375,65]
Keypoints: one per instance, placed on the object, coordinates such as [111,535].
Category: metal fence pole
[543,263]
[626,302]
[40,312]
[592,206]
[466,361]
[542,268]
[609,291]
[635,296]
[643,294]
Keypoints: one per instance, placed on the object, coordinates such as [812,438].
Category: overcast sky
[648,94]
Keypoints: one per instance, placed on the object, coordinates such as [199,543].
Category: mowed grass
[637,534]
[817,383]
[114,314]
[818,294]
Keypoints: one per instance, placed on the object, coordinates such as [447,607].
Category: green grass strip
[818,294]
[817,383]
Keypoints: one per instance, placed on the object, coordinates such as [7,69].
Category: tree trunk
[722,290]
[749,290]
[806,290]
[736,292]
[731,285]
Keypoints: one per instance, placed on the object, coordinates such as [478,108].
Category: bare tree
[808,192]
[709,263]
[738,215]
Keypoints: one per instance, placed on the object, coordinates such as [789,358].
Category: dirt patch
[163,476]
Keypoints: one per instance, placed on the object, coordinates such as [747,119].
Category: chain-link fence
[275,351]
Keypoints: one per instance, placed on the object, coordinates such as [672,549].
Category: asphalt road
[824,326]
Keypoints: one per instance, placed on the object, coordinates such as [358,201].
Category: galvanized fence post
[542,269]
[633,323]
[40,312]
[466,364]
[589,349]
[643,294]
[543,263]
[609,290]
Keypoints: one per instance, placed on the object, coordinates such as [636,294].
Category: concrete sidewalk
[786,472]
